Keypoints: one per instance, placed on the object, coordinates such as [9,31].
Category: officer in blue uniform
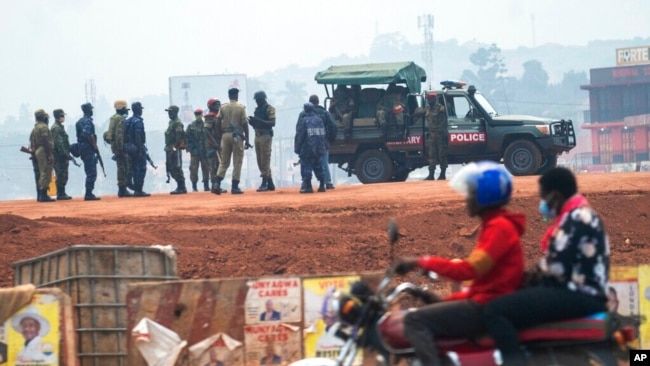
[87,140]
[136,137]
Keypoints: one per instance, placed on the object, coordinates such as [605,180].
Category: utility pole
[91,91]
[425,22]
[532,24]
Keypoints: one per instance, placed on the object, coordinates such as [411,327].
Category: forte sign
[632,56]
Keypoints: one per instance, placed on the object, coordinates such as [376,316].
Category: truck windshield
[486,105]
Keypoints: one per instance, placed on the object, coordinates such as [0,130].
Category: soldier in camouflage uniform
[390,108]
[174,145]
[213,143]
[61,154]
[116,139]
[42,147]
[197,147]
[437,143]
[341,108]
[263,122]
[232,125]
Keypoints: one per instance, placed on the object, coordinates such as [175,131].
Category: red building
[619,105]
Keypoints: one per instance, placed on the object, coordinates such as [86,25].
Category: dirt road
[286,232]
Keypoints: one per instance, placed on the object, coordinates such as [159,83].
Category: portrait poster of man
[623,295]
[320,340]
[3,345]
[644,305]
[272,344]
[273,299]
[33,333]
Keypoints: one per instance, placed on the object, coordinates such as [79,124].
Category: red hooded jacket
[496,264]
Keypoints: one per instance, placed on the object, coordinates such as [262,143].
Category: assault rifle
[30,152]
[101,162]
[237,133]
[177,162]
[150,161]
[26,150]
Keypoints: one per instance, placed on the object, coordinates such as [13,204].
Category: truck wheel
[373,166]
[522,157]
[401,175]
[548,163]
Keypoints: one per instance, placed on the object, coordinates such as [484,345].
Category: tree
[255,85]
[294,94]
[385,46]
[490,76]
[534,77]
[491,68]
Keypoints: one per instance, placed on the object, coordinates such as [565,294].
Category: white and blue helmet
[491,181]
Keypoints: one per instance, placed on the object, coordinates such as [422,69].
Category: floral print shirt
[578,254]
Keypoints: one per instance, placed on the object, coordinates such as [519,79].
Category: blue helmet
[490,181]
[308,107]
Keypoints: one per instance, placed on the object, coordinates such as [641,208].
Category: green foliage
[530,94]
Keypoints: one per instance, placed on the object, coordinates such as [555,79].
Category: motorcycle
[367,322]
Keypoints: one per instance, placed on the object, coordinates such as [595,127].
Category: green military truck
[387,152]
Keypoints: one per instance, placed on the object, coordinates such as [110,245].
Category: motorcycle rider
[573,274]
[495,264]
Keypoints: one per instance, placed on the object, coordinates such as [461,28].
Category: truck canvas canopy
[372,74]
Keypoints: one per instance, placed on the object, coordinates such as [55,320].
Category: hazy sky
[130,47]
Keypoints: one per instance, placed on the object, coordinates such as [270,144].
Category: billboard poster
[218,350]
[320,340]
[623,295]
[632,55]
[3,345]
[644,305]
[272,343]
[192,92]
[273,299]
[32,334]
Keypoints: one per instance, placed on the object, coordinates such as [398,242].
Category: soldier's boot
[235,187]
[216,186]
[269,184]
[139,192]
[38,195]
[194,187]
[306,187]
[45,197]
[321,187]
[264,186]
[431,172]
[123,192]
[89,196]
[180,189]
[442,175]
[206,186]
[61,195]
